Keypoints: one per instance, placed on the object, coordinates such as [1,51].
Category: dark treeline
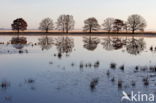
[65,23]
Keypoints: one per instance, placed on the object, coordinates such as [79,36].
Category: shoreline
[78,34]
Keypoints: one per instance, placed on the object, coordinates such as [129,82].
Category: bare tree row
[65,23]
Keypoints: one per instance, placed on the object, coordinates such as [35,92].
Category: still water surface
[76,69]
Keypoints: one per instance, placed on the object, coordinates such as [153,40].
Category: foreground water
[76,69]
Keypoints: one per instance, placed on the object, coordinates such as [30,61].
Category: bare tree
[19,24]
[118,25]
[126,26]
[108,24]
[91,24]
[65,23]
[46,24]
[136,22]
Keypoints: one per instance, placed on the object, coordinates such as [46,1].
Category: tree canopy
[46,24]
[19,24]
[91,24]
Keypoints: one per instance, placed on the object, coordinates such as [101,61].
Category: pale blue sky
[33,11]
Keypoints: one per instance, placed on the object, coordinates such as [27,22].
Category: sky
[33,11]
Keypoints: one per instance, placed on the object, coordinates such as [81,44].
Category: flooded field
[75,69]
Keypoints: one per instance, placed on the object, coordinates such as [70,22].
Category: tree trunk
[67,30]
[133,31]
[18,31]
[63,29]
[47,30]
[108,31]
[90,29]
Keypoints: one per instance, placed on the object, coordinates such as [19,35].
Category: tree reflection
[117,43]
[64,45]
[135,46]
[18,42]
[112,43]
[107,44]
[45,42]
[90,43]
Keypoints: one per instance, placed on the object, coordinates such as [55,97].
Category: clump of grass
[120,83]
[50,62]
[146,81]
[81,65]
[35,44]
[144,68]
[133,83]
[137,68]
[151,48]
[55,55]
[108,73]
[86,65]
[20,51]
[122,67]
[113,65]
[59,55]
[113,79]
[72,64]
[90,65]
[5,84]
[30,81]
[94,83]
[96,64]
[152,68]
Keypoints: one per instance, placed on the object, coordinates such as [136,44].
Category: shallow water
[76,69]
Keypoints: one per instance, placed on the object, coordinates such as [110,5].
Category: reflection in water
[64,45]
[19,42]
[96,74]
[108,44]
[117,43]
[112,43]
[45,42]
[90,43]
[135,46]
